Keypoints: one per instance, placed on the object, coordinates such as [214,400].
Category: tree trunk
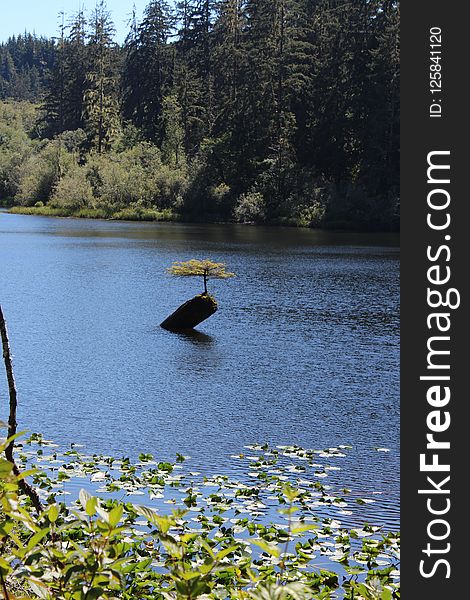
[24,486]
[11,385]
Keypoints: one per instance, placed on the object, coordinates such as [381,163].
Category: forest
[251,111]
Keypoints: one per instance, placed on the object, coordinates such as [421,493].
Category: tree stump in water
[191,313]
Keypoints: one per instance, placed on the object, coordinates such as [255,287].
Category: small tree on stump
[200,268]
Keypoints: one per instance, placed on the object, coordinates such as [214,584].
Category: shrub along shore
[138,213]
[126,214]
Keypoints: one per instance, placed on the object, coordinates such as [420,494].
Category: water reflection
[198,338]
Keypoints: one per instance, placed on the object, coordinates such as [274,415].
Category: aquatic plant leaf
[267,547]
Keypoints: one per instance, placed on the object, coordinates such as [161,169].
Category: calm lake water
[304,349]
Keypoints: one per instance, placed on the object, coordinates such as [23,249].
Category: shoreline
[96,213]
[167,215]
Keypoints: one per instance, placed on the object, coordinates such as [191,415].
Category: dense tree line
[25,65]
[261,110]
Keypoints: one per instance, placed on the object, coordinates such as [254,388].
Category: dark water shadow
[198,338]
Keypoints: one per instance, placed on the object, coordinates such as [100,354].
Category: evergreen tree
[54,104]
[195,51]
[63,105]
[273,46]
[188,88]
[101,107]
[173,133]
[381,132]
[228,52]
[148,70]
[25,65]
[76,64]
[8,74]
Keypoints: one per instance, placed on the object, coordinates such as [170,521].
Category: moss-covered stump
[191,313]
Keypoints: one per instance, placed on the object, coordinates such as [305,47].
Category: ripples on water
[304,348]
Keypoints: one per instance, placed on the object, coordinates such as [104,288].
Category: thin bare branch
[12,424]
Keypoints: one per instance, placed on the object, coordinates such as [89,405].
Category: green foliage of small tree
[207,269]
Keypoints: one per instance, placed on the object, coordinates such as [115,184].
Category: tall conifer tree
[101,108]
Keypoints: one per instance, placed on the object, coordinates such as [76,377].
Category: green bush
[137,212]
[311,215]
[116,181]
[73,191]
[42,171]
[135,176]
[250,208]
[128,178]
[46,211]
[20,116]
[15,145]
[168,186]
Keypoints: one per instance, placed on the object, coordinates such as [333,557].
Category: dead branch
[12,424]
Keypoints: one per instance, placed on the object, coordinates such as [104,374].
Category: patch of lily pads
[282,524]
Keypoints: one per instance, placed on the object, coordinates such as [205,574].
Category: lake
[303,350]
